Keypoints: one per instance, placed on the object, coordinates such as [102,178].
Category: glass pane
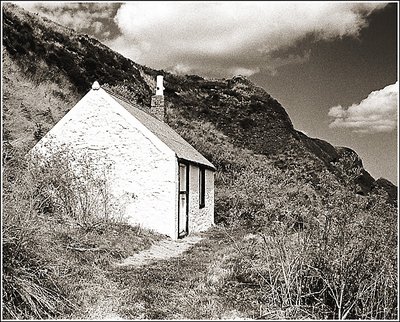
[201,187]
[182,213]
[182,177]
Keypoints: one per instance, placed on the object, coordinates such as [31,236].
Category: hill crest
[65,64]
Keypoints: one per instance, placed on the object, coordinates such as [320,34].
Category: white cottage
[169,183]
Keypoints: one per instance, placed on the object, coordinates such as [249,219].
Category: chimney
[157,101]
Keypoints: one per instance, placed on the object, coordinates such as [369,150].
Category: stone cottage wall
[200,219]
[209,207]
[142,170]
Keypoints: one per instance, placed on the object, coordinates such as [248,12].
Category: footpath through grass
[195,285]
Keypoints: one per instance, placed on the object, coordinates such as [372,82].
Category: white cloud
[241,35]
[76,15]
[376,113]
[273,63]
[98,26]
[217,39]
[243,71]
[180,69]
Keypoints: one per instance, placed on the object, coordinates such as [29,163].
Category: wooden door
[183,213]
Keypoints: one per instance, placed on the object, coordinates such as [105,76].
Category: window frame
[202,188]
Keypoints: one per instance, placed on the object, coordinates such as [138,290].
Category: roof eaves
[200,165]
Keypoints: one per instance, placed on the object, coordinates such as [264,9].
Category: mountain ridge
[244,112]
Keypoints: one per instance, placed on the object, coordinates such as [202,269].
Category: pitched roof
[164,132]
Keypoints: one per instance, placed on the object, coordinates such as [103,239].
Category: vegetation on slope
[241,110]
[59,237]
[299,242]
[293,250]
[80,58]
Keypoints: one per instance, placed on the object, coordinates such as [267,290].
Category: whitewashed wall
[142,168]
[200,219]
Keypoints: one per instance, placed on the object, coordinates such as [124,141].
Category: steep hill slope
[63,64]
[309,233]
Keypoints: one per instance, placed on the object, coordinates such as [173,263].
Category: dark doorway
[183,212]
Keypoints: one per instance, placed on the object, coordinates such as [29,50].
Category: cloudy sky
[332,65]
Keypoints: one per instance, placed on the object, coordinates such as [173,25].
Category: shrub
[355,257]
[29,290]
[74,186]
[39,131]
[39,195]
[90,64]
[340,264]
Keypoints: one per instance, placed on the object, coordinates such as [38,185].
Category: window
[202,188]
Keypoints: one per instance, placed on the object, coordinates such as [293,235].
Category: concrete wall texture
[142,169]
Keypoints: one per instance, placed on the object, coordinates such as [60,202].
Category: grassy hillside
[304,230]
[245,113]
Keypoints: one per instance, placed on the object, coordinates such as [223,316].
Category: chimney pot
[157,108]
[160,88]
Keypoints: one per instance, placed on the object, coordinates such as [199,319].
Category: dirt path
[164,249]
[175,280]
[106,308]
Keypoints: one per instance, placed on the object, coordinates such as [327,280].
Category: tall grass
[315,249]
[61,233]
[29,289]
[341,262]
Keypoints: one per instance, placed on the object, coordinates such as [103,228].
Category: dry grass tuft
[55,263]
